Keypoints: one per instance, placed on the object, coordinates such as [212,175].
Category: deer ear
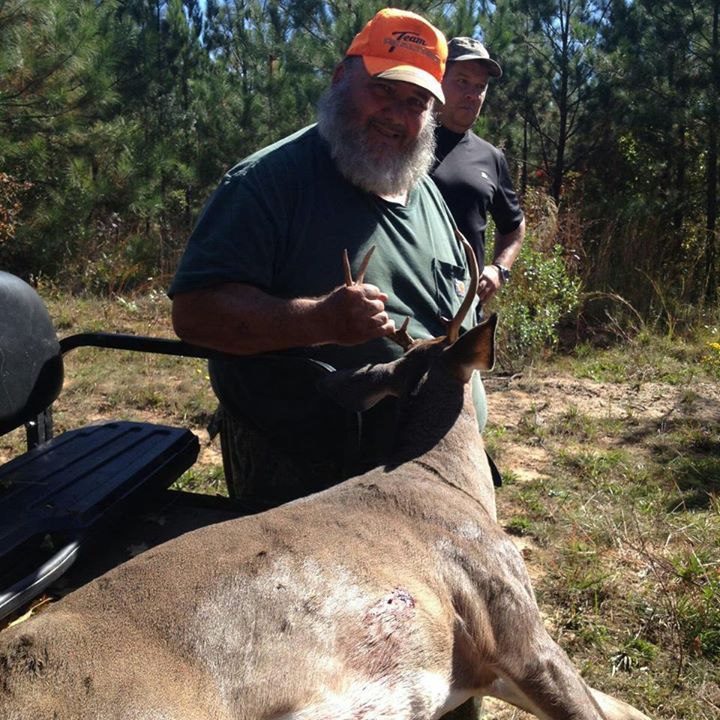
[474,350]
[363,388]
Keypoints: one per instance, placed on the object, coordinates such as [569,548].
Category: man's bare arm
[242,319]
[506,248]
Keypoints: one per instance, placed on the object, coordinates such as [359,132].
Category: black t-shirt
[474,179]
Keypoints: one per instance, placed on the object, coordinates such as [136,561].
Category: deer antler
[453,331]
[349,282]
[401,336]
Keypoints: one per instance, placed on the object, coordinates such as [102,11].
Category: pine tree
[56,89]
[655,171]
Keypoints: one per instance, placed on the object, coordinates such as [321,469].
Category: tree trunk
[711,239]
[558,175]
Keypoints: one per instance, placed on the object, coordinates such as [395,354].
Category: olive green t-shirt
[280,221]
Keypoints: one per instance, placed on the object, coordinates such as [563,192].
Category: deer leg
[531,670]
[615,709]
[552,689]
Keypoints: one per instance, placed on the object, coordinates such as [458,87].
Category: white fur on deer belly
[403,697]
[319,640]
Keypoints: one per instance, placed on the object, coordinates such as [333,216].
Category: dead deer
[394,595]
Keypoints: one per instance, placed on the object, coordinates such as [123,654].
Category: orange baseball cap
[400,45]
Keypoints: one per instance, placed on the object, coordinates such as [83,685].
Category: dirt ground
[542,400]
[539,402]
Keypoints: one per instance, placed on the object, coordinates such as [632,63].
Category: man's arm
[506,249]
[242,319]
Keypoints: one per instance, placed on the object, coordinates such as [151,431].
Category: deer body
[393,596]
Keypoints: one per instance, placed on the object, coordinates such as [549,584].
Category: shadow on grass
[697,478]
[687,452]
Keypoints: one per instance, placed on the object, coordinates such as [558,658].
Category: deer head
[428,380]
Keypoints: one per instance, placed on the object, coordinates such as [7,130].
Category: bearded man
[263,270]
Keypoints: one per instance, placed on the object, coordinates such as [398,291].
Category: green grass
[652,358]
[520,525]
[202,480]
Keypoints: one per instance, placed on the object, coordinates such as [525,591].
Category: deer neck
[439,432]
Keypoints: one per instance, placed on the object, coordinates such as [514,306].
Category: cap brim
[380,67]
[494,70]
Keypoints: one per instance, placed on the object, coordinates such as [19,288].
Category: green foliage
[711,360]
[11,192]
[542,291]
[519,525]
[637,653]
[56,91]
[204,480]
[649,357]
[596,469]
[661,158]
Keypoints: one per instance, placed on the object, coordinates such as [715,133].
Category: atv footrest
[52,495]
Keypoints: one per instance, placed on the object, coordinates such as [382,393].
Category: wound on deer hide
[391,612]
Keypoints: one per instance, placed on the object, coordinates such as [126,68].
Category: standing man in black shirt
[472,174]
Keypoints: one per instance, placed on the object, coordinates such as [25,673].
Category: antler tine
[346,269]
[454,327]
[402,337]
[364,266]
[361,272]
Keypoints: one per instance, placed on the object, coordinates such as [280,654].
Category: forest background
[118,117]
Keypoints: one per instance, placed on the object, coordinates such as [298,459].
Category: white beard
[390,172]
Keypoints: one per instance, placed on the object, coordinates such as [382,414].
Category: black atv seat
[56,493]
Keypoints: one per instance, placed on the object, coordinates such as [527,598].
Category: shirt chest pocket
[452,282]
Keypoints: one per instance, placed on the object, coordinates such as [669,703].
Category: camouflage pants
[260,475]
[262,472]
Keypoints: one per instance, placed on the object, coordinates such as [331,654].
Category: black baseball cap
[467,48]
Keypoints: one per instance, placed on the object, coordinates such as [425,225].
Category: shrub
[10,206]
[541,292]
[711,360]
